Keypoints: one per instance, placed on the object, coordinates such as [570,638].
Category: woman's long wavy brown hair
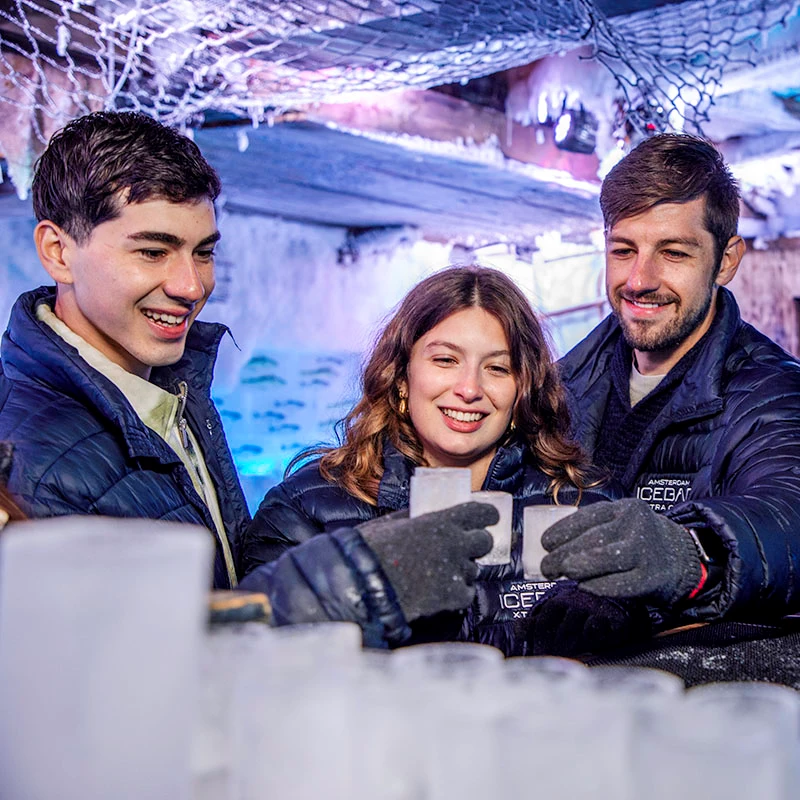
[8,505]
[7,502]
[540,412]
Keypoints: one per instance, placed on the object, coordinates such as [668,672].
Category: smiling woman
[461,377]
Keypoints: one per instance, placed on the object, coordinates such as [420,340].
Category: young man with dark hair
[105,383]
[690,408]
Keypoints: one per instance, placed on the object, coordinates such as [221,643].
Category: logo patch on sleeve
[662,492]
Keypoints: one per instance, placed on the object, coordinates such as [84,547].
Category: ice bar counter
[114,685]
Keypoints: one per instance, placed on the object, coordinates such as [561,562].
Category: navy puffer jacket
[306,505]
[722,457]
[79,448]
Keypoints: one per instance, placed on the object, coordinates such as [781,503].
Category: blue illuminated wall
[285,401]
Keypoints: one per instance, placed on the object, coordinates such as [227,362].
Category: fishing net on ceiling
[177,59]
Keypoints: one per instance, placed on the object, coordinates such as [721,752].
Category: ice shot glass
[501,531]
[437,488]
[536,520]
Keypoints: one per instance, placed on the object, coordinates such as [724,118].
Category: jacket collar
[395,483]
[701,389]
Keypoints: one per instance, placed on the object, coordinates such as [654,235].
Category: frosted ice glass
[775,705]
[447,661]
[435,488]
[296,713]
[501,532]
[635,696]
[100,629]
[690,744]
[452,730]
[554,745]
[536,520]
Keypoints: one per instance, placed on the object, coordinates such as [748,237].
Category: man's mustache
[647,297]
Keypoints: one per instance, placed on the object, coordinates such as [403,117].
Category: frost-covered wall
[767,287]
[19,266]
[304,304]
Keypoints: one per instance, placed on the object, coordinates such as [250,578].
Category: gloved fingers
[543,627]
[467,516]
[584,519]
[562,637]
[604,634]
[587,564]
[477,542]
[573,622]
[634,505]
[591,554]
[572,633]
[562,591]
[551,566]
[459,596]
[620,585]
[470,571]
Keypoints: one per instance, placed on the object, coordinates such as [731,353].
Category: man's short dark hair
[673,168]
[98,163]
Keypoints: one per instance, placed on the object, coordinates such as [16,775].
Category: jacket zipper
[183,394]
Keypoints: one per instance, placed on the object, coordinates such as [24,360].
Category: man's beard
[649,338]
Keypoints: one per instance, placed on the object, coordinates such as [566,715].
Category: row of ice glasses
[456,720]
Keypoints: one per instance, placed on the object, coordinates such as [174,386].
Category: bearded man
[694,411]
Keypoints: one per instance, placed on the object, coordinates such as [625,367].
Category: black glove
[569,622]
[623,549]
[429,560]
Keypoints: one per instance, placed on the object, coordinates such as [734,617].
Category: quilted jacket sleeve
[753,507]
[332,577]
[303,552]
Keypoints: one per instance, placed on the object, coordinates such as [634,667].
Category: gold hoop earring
[512,426]
[402,406]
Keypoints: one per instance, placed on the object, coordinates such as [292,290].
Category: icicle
[242,141]
[21,176]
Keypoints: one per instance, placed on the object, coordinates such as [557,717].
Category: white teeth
[463,416]
[168,319]
[645,305]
